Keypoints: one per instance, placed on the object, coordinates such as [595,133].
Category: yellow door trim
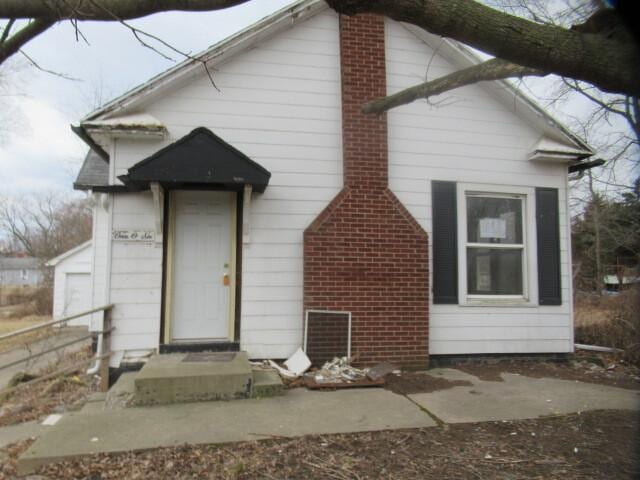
[233,199]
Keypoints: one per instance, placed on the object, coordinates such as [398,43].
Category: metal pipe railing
[103,350]
[33,328]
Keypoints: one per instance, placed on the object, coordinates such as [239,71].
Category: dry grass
[67,391]
[15,294]
[8,325]
[611,322]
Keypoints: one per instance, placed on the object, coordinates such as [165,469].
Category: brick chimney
[365,253]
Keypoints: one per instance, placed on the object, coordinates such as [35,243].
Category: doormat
[209,357]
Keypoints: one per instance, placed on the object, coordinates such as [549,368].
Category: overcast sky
[38,151]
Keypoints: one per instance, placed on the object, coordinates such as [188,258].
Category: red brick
[365,253]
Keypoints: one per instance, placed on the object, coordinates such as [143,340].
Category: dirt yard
[588,446]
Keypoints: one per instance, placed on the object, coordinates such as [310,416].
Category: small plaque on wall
[133,235]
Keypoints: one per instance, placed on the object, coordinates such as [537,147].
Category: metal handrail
[33,328]
[103,348]
[53,349]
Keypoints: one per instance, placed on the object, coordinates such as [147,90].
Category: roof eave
[54,261]
[213,55]
[463,56]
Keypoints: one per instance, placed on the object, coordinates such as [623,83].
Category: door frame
[235,281]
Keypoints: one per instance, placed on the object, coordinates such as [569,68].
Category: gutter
[581,167]
[93,145]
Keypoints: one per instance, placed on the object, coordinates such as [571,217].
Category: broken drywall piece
[52,419]
[283,371]
[298,363]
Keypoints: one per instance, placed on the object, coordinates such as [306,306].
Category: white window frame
[529,265]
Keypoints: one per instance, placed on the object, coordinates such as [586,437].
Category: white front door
[201,265]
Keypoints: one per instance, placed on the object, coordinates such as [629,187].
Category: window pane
[494,271]
[494,220]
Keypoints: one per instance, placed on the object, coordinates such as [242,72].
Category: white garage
[72,283]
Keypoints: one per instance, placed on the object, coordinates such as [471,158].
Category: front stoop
[195,377]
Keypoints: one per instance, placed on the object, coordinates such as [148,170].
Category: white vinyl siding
[73,272]
[468,136]
[279,103]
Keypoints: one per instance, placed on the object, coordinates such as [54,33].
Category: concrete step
[266,383]
[193,377]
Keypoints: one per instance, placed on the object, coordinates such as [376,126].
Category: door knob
[225,279]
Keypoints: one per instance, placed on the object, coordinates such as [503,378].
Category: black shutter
[445,242]
[548,232]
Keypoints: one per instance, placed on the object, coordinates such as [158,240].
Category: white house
[223,215]
[72,284]
[20,271]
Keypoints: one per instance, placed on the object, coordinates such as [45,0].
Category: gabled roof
[199,158]
[93,173]
[19,263]
[282,19]
[69,253]
[297,12]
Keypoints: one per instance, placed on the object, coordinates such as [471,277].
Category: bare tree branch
[15,42]
[611,62]
[7,29]
[494,69]
[45,70]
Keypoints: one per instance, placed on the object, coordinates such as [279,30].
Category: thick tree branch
[104,9]
[7,29]
[13,44]
[610,63]
[494,69]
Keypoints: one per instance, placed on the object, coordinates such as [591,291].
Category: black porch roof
[200,158]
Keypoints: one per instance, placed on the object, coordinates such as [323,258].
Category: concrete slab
[121,393]
[174,378]
[519,397]
[21,431]
[299,412]
[266,383]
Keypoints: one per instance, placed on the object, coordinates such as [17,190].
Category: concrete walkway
[19,432]
[62,336]
[302,412]
[299,412]
[519,397]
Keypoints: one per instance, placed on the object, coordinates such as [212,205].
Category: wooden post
[106,350]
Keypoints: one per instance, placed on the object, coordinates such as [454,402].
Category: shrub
[43,301]
[621,328]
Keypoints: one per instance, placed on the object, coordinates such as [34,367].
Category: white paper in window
[493,228]
[483,273]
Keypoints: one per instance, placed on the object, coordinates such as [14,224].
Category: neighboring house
[223,215]
[612,282]
[72,285]
[20,271]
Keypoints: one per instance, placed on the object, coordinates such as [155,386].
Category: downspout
[107,281]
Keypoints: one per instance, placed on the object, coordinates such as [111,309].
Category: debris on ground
[298,363]
[599,444]
[294,366]
[56,395]
[339,373]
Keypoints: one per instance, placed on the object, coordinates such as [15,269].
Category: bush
[31,301]
[43,301]
[621,328]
